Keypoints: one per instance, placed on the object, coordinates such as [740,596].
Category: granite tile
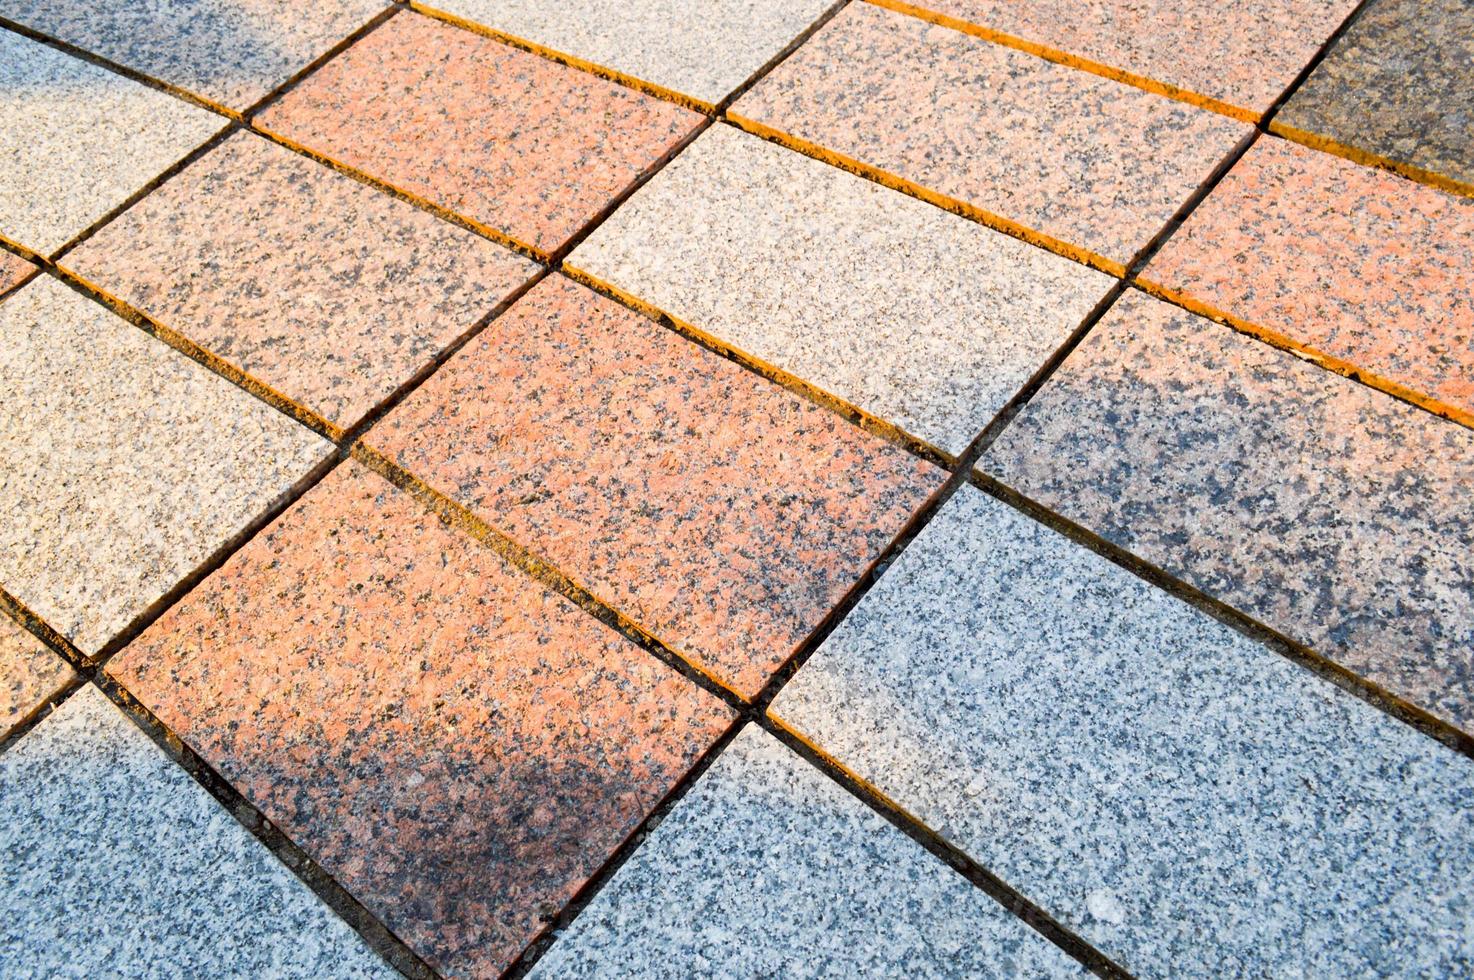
[123,464]
[1325,509]
[1188,801]
[1242,55]
[1399,86]
[30,675]
[1088,161]
[701,49]
[13,270]
[768,869]
[114,862]
[327,290]
[1369,271]
[509,139]
[77,140]
[718,510]
[925,319]
[457,746]
[231,52]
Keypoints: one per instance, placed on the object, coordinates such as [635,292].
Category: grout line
[42,711]
[783,55]
[1366,158]
[296,78]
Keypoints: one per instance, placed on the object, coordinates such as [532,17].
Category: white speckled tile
[76,140]
[123,464]
[767,868]
[1189,802]
[114,862]
[922,318]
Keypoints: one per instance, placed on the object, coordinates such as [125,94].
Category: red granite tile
[516,142]
[1369,271]
[29,674]
[13,269]
[457,746]
[720,511]
[327,290]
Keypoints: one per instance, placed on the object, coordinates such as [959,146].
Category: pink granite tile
[29,675]
[457,746]
[516,142]
[723,513]
[1243,54]
[13,270]
[327,290]
[1090,161]
[1357,264]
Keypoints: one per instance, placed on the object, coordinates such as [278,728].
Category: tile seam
[1366,158]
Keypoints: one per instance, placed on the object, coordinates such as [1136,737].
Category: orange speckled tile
[29,674]
[723,513]
[509,139]
[457,746]
[327,290]
[1371,271]
[13,270]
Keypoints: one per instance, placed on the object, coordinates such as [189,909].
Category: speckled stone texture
[925,319]
[325,289]
[506,138]
[123,464]
[76,140]
[30,675]
[702,49]
[13,270]
[1366,267]
[768,869]
[1188,801]
[1243,54]
[724,514]
[113,862]
[1399,84]
[1325,509]
[231,52]
[457,746]
[1092,162]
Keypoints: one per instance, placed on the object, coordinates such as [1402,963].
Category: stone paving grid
[462,676]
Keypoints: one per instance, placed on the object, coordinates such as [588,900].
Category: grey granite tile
[231,52]
[767,868]
[1400,85]
[76,140]
[1325,509]
[1188,801]
[123,464]
[114,862]
[925,319]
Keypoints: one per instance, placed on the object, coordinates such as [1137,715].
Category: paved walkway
[743,488]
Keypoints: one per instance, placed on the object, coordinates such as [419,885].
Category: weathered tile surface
[232,52]
[30,674]
[703,49]
[114,862]
[1243,54]
[766,868]
[1190,802]
[76,140]
[1400,85]
[1327,510]
[327,290]
[13,269]
[1092,162]
[720,511]
[457,746]
[1366,267]
[922,318]
[509,139]
[123,464]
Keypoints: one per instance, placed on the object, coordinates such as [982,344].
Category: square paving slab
[924,319]
[30,675]
[767,868]
[1326,510]
[721,512]
[330,292]
[123,464]
[457,746]
[77,140]
[1093,164]
[114,862]
[509,139]
[1189,802]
